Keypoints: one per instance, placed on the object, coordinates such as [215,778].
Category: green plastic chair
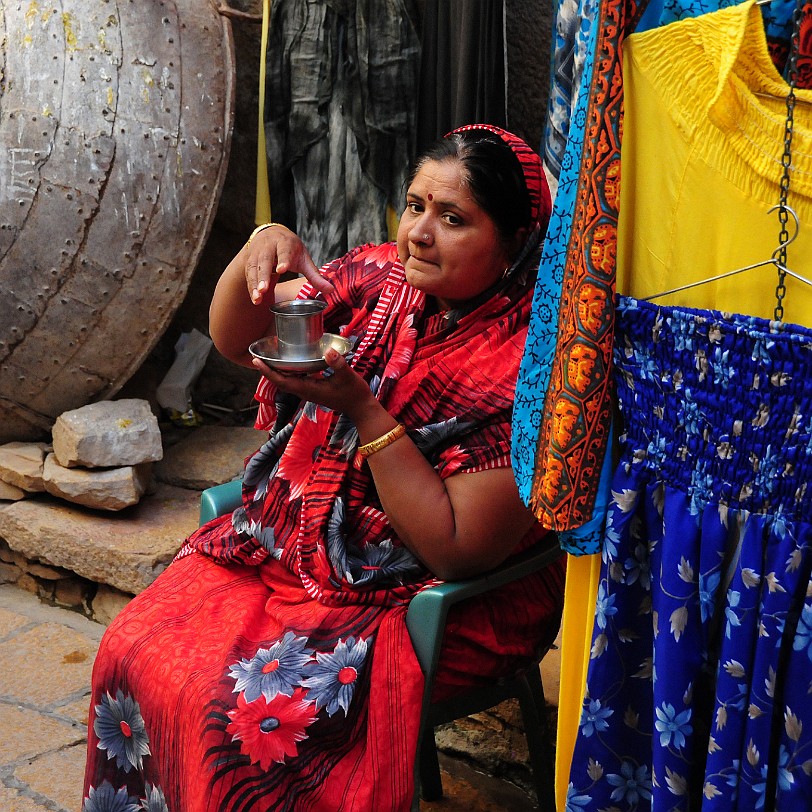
[425,621]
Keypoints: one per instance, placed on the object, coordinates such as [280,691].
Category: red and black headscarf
[537,188]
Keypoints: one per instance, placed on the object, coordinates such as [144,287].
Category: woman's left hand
[339,388]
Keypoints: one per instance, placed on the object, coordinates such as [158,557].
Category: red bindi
[431,196]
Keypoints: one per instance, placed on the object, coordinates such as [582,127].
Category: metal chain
[780,253]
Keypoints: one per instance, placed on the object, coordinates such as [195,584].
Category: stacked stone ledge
[101,457]
[103,453]
[95,560]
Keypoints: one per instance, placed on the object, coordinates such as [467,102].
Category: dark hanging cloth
[341,79]
[462,67]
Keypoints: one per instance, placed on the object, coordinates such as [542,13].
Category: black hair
[494,175]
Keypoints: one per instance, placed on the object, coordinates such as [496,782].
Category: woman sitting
[269,666]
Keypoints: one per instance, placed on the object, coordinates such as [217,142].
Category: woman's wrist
[379,443]
[259,228]
[370,418]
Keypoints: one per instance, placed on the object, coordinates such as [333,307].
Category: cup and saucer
[299,342]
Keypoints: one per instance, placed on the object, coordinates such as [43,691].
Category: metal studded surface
[115,127]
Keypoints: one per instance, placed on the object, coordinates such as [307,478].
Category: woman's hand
[273,251]
[239,312]
[339,388]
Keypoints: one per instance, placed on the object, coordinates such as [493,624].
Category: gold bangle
[382,441]
[258,229]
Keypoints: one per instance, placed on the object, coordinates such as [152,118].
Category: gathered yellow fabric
[580,591]
[701,167]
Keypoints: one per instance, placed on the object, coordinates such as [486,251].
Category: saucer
[267,350]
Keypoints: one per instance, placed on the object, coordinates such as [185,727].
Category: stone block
[108,603]
[76,711]
[10,493]
[11,621]
[9,574]
[29,584]
[21,465]
[57,776]
[126,549]
[47,664]
[17,558]
[46,573]
[13,800]
[70,592]
[104,489]
[27,734]
[209,455]
[108,434]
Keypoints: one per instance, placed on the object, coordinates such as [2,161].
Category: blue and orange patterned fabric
[562,418]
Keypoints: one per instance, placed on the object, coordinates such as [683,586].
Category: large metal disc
[115,125]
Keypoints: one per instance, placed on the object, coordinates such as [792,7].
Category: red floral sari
[269,667]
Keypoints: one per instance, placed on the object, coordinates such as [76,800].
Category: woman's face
[449,247]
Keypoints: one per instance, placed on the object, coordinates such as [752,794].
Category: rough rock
[107,603]
[104,489]
[111,433]
[70,592]
[209,455]
[126,549]
[21,465]
[10,492]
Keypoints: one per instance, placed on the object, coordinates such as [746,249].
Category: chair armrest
[220,499]
[426,616]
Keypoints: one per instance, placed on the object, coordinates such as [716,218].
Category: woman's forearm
[458,527]
[234,320]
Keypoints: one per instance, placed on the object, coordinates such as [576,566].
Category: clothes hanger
[779,256]
[773,260]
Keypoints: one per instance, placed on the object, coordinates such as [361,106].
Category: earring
[506,271]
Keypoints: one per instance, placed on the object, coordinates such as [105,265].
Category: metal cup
[299,328]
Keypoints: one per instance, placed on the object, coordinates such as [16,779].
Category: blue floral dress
[701,662]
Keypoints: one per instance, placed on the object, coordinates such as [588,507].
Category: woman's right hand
[274,251]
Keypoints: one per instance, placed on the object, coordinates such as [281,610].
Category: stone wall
[58,586]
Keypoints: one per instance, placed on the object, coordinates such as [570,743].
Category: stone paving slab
[43,733]
[47,655]
[57,776]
